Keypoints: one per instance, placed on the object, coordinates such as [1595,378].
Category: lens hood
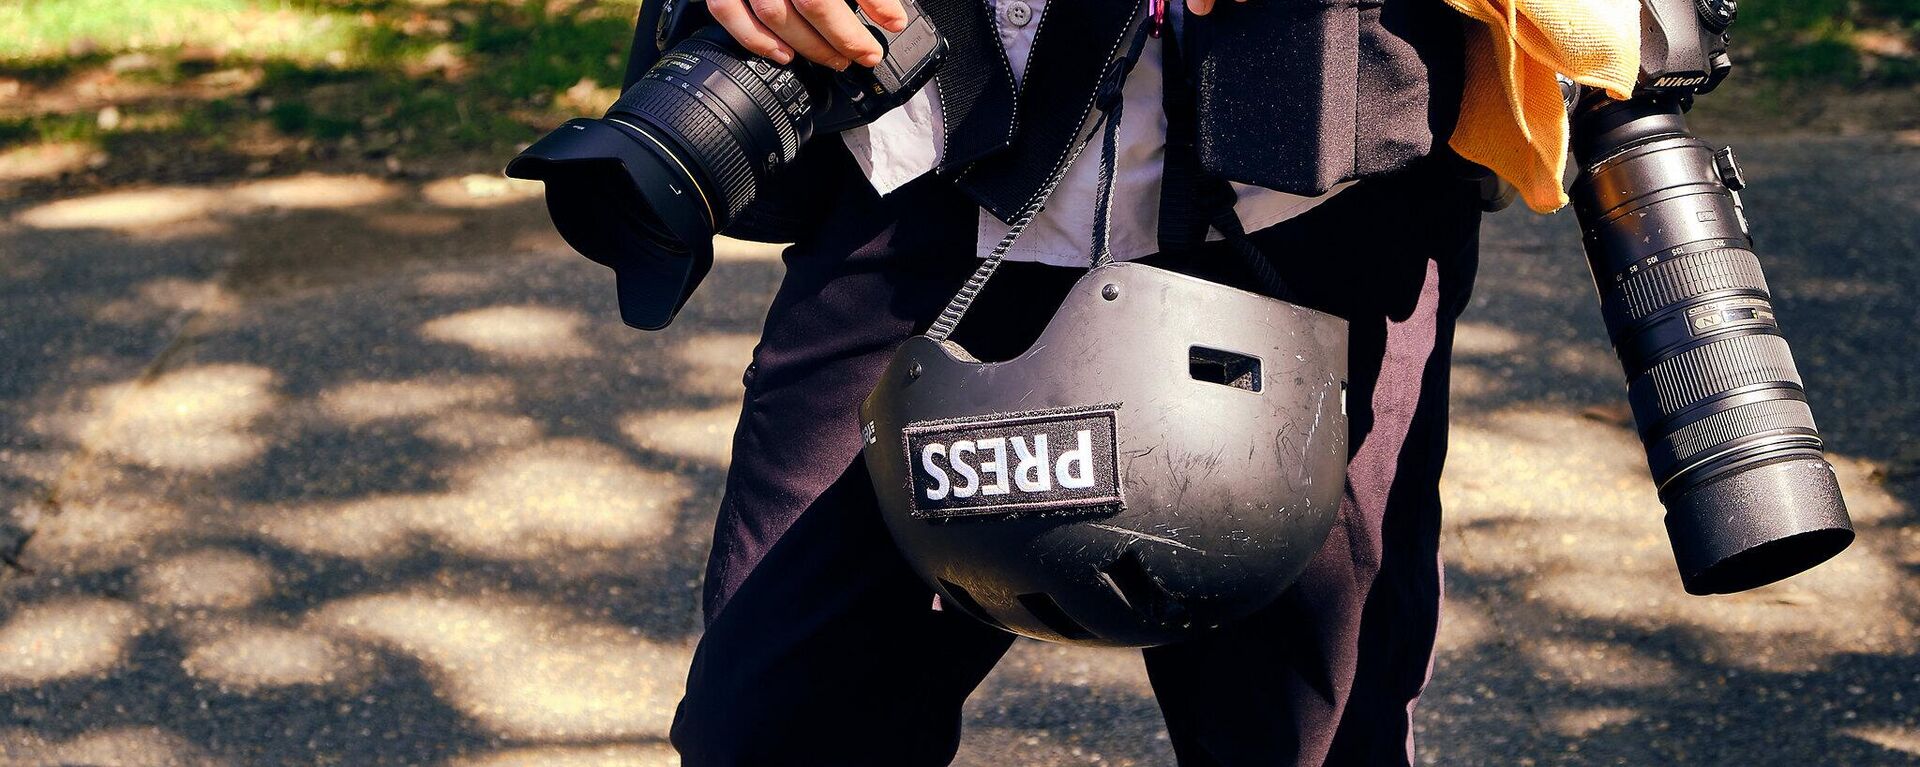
[624,201]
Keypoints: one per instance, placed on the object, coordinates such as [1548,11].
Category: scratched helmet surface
[1164,459]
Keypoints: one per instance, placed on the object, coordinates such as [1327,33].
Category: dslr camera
[1720,405]
[688,146]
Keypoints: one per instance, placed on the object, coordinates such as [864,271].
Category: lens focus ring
[1678,279]
[1705,371]
[713,148]
[1692,441]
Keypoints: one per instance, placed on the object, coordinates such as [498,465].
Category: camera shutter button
[1017,13]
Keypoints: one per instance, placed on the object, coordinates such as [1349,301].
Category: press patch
[1028,462]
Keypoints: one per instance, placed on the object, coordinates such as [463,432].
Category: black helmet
[1165,459]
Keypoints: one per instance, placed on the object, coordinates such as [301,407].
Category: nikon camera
[684,150]
[1719,403]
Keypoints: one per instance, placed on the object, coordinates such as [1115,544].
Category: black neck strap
[1107,102]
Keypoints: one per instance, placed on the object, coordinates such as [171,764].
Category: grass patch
[417,78]
[1849,42]
[384,77]
[43,30]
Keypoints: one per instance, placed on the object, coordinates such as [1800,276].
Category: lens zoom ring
[757,89]
[1707,370]
[1681,278]
[1717,429]
[714,151]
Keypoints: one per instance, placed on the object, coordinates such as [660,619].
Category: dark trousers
[821,648]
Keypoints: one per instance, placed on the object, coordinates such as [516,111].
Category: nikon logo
[1042,461]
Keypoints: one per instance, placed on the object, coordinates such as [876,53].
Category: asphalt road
[356,471]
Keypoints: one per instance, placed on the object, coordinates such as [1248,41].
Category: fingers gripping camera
[644,189]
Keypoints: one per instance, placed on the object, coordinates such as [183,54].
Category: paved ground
[341,470]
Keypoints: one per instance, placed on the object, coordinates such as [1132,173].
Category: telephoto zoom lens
[1720,406]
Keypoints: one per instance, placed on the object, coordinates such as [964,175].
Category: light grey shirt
[905,144]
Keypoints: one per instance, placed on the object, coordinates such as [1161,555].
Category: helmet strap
[1108,100]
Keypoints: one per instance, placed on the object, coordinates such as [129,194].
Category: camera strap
[1108,101]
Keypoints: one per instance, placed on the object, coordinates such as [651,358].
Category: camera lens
[726,118]
[1719,403]
[678,157]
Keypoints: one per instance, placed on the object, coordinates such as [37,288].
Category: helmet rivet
[913,371]
[1110,292]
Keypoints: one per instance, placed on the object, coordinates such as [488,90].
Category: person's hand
[1203,7]
[824,31]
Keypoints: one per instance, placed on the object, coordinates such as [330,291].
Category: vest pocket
[1277,91]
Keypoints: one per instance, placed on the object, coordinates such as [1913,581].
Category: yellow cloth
[1511,117]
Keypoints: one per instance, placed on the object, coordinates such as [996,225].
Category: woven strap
[1108,115]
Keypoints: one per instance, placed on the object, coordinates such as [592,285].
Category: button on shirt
[905,144]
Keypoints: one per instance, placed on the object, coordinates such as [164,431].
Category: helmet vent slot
[1225,368]
[1055,619]
[967,603]
[1127,576]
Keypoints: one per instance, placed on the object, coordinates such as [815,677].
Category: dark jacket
[1293,95]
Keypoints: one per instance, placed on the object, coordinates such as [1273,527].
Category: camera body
[1683,44]
[692,142]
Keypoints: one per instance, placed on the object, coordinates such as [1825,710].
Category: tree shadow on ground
[361,470]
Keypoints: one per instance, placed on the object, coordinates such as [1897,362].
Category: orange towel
[1511,116]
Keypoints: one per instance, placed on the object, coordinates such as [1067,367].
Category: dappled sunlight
[480,190]
[470,429]
[161,211]
[1905,740]
[105,532]
[1604,664]
[194,419]
[1547,500]
[129,211]
[649,755]
[65,639]
[415,224]
[112,747]
[715,362]
[251,658]
[1106,670]
[313,191]
[698,435]
[159,299]
[523,669]
[1579,722]
[44,160]
[1585,361]
[362,402]
[1480,339]
[1474,382]
[514,332]
[1463,625]
[550,499]
[207,578]
[453,283]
